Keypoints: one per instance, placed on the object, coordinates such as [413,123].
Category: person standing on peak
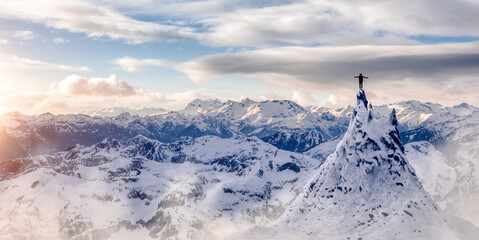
[361,78]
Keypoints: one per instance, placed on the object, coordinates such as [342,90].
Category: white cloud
[304,98]
[103,87]
[330,70]
[330,65]
[60,40]
[93,19]
[274,96]
[12,62]
[340,27]
[3,41]
[133,65]
[25,35]
[340,23]
[77,94]
[339,98]
[297,23]
[255,23]
[431,68]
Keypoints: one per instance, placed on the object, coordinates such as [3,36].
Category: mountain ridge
[450,135]
[365,188]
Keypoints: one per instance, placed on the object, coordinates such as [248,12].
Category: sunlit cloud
[340,23]
[12,62]
[274,96]
[306,22]
[304,98]
[333,65]
[111,86]
[304,48]
[25,35]
[93,19]
[76,94]
[60,40]
[255,24]
[330,69]
[133,65]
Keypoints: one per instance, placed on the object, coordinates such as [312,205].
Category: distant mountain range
[218,168]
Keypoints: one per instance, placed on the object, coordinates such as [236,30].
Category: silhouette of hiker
[361,78]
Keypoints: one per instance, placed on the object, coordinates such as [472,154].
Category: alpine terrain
[366,189]
[248,169]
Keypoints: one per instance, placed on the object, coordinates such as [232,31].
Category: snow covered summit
[365,189]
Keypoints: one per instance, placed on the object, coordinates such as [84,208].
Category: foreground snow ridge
[366,189]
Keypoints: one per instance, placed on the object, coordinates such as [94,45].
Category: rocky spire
[366,188]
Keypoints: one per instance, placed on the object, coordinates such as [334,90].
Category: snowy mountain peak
[202,106]
[366,188]
[463,105]
[369,158]
[361,110]
[124,116]
[247,101]
[392,118]
[108,144]
[361,98]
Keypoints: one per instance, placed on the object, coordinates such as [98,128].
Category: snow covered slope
[410,114]
[284,124]
[366,189]
[453,131]
[22,136]
[206,188]
[414,114]
[170,176]
[437,176]
[452,186]
[458,141]
[447,164]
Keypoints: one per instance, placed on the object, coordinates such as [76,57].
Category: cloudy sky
[83,55]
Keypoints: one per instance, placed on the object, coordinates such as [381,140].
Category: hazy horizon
[98,110]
